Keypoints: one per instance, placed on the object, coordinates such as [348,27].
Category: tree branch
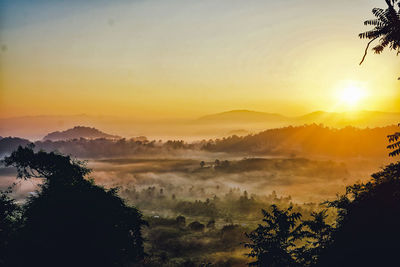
[366,50]
[389,3]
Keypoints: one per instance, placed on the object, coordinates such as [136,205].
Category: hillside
[79,132]
[342,119]
[242,116]
[240,122]
[308,140]
[9,144]
[331,119]
[313,139]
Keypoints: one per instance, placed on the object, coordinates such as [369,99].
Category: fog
[309,163]
[305,180]
[219,186]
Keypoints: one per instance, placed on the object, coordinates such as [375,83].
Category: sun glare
[351,95]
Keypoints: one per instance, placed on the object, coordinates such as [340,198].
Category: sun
[351,95]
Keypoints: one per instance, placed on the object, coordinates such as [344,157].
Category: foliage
[318,235]
[307,140]
[369,214]
[181,221]
[386,28]
[197,208]
[273,244]
[366,231]
[10,214]
[171,244]
[394,144]
[71,221]
[196,226]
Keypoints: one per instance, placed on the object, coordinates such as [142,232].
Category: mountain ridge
[79,132]
[256,116]
[334,119]
[208,126]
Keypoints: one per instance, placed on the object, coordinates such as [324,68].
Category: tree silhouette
[394,144]
[386,29]
[368,230]
[71,221]
[273,244]
[211,224]
[181,221]
[196,226]
[10,214]
[202,163]
[318,235]
[217,162]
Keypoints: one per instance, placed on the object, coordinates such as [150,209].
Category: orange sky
[183,59]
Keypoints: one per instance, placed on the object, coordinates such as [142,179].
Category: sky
[188,58]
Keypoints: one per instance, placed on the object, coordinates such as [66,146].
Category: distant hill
[9,144]
[358,118]
[332,119]
[239,132]
[307,140]
[242,116]
[206,127]
[312,139]
[79,132]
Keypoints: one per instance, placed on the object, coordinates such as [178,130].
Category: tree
[386,29]
[196,226]
[367,232]
[10,215]
[217,162]
[181,221]
[202,163]
[225,164]
[211,224]
[318,237]
[273,244]
[71,221]
[394,144]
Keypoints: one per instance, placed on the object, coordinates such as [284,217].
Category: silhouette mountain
[242,116]
[205,127]
[355,118]
[79,132]
[9,144]
[332,119]
[310,139]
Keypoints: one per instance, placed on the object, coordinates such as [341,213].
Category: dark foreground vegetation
[70,221]
[366,231]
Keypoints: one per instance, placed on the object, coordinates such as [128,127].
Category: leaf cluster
[276,243]
[386,28]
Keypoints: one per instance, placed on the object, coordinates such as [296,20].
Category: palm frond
[386,29]
[374,22]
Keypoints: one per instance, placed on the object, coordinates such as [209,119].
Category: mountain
[242,116]
[9,144]
[211,126]
[313,139]
[356,118]
[35,127]
[79,132]
[331,119]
